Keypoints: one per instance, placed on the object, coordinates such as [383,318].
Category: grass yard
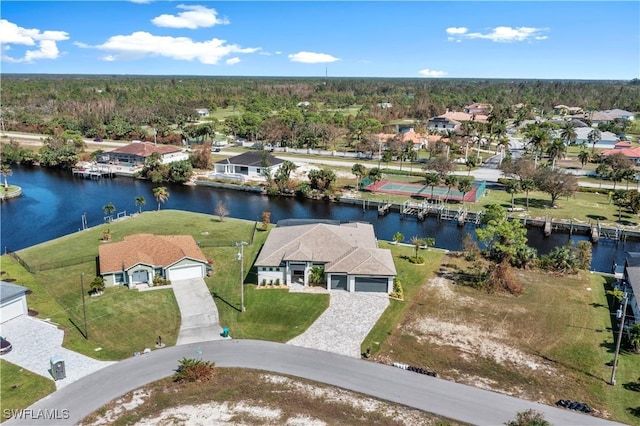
[271,313]
[21,388]
[551,343]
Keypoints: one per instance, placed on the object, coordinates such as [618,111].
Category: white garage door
[185,273]
[12,310]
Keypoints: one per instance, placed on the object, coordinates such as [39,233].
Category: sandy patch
[304,168]
[473,341]
[443,287]
[138,397]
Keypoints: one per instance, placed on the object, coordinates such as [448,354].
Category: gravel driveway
[345,324]
[35,342]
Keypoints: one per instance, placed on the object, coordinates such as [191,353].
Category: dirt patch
[474,341]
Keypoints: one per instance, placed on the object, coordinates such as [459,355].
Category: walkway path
[448,399]
[345,323]
[35,342]
[198,312]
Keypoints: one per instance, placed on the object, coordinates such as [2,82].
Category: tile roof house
[631,285]
[442,124]
[139,258]
[463,116]
[624,148]
[244,166]
[478,108]
[418,140]
[348,253]
[137,153]
[13,301]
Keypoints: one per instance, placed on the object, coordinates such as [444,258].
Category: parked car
[5,346]
[216,149]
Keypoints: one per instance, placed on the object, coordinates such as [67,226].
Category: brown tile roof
[463,116]
[629,152]
[349,248]
[145,149]
[154,250]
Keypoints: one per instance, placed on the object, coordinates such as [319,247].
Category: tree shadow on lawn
[632,386]
[534,203]
[597,217]
[634,411]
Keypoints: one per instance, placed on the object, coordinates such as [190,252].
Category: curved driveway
[452,400]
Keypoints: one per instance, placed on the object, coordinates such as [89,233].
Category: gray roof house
[244,166]
[13,301]
[348,253]
[631,285]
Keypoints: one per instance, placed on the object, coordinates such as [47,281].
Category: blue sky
[453,39]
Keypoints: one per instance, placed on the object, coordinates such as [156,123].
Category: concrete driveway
[198,312]
[35,342]
[345,324]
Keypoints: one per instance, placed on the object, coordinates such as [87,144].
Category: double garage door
[368,284]
[371,284]
[13,309]
[185,273]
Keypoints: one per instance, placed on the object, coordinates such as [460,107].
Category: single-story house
[607,139]
[409,135]
[624,148]
[348,253]
[247,165]
[631,285]
[13,301]
[385,105]
[202,112]
[137,153]
[443,124]
[463,116]
[139,258]
[478,108]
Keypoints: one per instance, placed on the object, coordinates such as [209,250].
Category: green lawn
[123,321]
[21,388]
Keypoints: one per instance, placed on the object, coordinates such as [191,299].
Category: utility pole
[84,306]
[621,316]
[241,259]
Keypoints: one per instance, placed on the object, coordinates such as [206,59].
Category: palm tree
[568,133]
[594,137]
[417,243]
[471,163]
[108,210]
[465,185]
[140,201]
[316,276]
[358,170]
[556,150]
[397,237]
[432,180]
[450,180]
[583,156]
[6,171]
[513,187]
[527,185]
[161,195]
[537,137]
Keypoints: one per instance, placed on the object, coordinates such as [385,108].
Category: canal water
[54,202]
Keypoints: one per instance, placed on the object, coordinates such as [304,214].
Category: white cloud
[141,44]
[193,17]
[431,73]
[456,30]
[108,58]
[232,61]
[499,34]
[11,33]
[312,57]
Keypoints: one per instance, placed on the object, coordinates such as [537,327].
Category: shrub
[398,293]
[418,260]
[502,279]
[528,418]
[264,282]
[278,281]
[194,370]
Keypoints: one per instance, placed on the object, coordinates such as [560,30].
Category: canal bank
[54,204]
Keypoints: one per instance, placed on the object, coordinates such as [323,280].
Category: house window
[119,277]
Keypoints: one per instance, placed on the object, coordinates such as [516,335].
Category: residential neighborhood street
[448,399]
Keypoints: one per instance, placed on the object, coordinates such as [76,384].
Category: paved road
[452,400]
[198,312]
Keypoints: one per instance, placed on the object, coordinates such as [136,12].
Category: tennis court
[440,193]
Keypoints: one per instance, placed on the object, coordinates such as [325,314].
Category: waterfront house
[624,148]
[348,253]
[631,285]
[139,258]
[137,152]
[13,301]
[249,165]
